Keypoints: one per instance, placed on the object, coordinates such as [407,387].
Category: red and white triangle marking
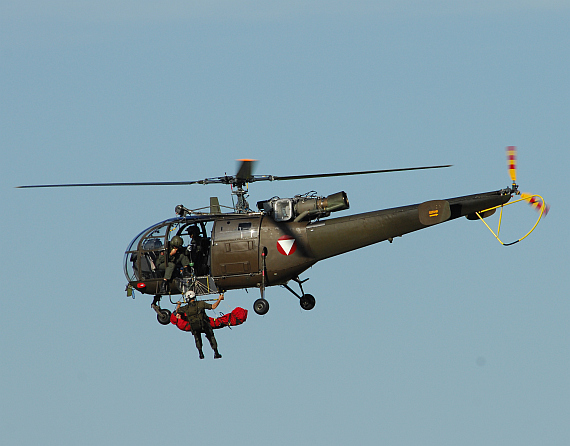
[286,245]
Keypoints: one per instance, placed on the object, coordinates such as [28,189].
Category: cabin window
[236,230]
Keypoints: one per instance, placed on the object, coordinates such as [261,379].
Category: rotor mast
[239,181]
[242,206]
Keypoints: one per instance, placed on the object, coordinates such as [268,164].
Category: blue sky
[442,338]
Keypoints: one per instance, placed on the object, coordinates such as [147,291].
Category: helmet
[194,231]
[176,242]
[190,295]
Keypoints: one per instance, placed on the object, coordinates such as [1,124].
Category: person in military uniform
[195,313]
[195,251]
[177,258]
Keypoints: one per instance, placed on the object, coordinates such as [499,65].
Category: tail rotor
[535,201]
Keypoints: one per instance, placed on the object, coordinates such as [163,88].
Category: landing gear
[162,315]
[307,301]
[261,306]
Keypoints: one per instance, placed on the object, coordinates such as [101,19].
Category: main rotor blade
[150,183]
[343,174]
[245,169]
[243,175]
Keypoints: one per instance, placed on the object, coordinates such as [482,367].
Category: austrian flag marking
[286,245]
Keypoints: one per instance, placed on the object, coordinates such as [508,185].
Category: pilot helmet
[190,295]
[176,242]
[194,231]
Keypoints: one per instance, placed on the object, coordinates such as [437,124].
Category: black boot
[217,354]
[162,287]
[201,354]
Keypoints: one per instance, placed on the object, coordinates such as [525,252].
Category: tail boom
[332,237]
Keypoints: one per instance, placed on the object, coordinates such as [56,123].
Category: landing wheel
[307,302]
[163,317]
[261,306]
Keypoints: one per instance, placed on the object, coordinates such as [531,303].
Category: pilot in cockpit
[194,244]
[196,250]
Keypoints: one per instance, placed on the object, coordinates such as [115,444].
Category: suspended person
[195,313]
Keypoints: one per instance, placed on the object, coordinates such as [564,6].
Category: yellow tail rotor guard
[524,198]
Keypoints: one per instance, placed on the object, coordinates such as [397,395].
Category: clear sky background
[444,337]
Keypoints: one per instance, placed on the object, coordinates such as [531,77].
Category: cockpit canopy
[140,261]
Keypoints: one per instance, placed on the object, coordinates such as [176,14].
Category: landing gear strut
[162,315]
[261,306]
[307,301]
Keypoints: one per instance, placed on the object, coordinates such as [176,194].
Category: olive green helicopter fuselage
[257,250]
[245,249]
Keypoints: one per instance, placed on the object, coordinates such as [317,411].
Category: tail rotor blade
[536,202]
[512,162]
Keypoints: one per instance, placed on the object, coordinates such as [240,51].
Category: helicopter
[275,244]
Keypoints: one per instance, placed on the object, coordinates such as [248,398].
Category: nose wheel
[162,315]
